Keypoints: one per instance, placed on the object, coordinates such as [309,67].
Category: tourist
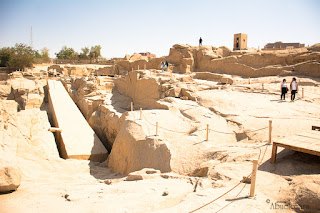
[162,66]
[293,88]
[284,89]
[200,41]
[166,66]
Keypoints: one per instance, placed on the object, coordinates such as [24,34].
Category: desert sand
[176,170]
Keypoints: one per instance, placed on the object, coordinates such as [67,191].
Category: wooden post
[144,66]
[262,87]
[270,130]
[140,113]
[274,153]
[157,125]
[302,93]
[138,66]
[132,68]
[249,81]
[253,178]
[131,106]
[207,138]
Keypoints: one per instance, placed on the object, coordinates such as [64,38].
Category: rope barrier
[244,185]
[256,130]
[227,133]
[231,133]
[242,181]
[231,188]
[163,127]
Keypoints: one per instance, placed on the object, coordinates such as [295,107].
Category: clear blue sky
[128,26]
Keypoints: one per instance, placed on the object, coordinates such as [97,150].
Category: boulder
[307,195]
[55,67]
[208,76]
[5,90]
[187,93]
[223,51]
[314,48]
[28,93]
[10,173]
[127,57]
[133,151]
[143,174]
[226,80]
[33,101]
[173,92]
[103,71]
[308,68]
[181,46]
[135,57]
[143,91]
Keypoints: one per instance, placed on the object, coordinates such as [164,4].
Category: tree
[85,53]
[5,54]
[45,53]
[95,52]
[67,53]
[22,57]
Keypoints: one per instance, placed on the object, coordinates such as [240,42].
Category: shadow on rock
[293,163]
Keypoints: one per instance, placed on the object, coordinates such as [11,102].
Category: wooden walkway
[307,142]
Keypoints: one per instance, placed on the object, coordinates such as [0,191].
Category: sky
[128,26]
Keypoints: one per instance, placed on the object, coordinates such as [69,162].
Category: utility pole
[31,40]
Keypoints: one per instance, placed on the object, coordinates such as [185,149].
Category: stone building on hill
[282,46]
[148,54]
[240,41]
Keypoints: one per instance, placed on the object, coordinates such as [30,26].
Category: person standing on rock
[200,41]
[166,66]
[284,89]
[293,88]
[162,66]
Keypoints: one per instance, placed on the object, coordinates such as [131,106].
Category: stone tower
[240,41]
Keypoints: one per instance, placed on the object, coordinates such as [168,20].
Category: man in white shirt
[294,89]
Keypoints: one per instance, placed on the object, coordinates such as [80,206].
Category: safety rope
[200,129]
[163,127]
[232,187]
[242,181]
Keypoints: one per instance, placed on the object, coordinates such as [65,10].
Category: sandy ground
[52,184]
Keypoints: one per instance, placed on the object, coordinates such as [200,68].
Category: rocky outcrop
[310,68]
[307,194]
[143,91]
[314,48]
[103,71]
[133,151]
[10,173]
[186,59]
[27,93]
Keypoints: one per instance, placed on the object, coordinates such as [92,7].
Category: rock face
[133,151]
[108,70]
[186,59]
[315,47]
[29,94]
[143,91]
[10,173]
[307,195]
